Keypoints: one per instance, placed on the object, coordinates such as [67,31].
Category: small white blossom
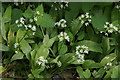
[34,28]
[31,20]
[37,12]
[16,52]
[63,36]
[109,64]
[30,26]
[16,21]
[33,33]
[86,24]
[35,18]
[61,23]
[16,45]
[41,61]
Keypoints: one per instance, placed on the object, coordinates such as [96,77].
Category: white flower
[19,25]
[35,18]
[61,23]
[31,20]
[16,45]
[109,64]
[82,22]
[33,33]
[107,23]
[63,36]
[22,20]
[16,52]
[106,57]
[86,24]
[61,6]
[89,20]
[41,61]
[16,21]
[82,16]
[38,12]
[30,26]
[34,28]
[56,9]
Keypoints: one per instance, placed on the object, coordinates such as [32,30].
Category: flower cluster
[41,61]
[16,46]
[79,52]
[60,5]
[107,65]
[21,23]
[85,18]
[110,28]
[63,36]
[61,23]
[117,6]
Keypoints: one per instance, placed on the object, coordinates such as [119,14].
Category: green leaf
[100,73]
[7,15]
[40,9]
[20,35]
[17,56]
[92,46]
[3,47]
[28,13]
[62,48]
[45,21]
[3,30]
[25,47]
[108,58]
[115,15]
[115,73]
[80,72]
[15,15]
[2,69]
[81,35]
[98,21]
[105,44]
[87,73]
[87,6]
[75,26]
[42,51]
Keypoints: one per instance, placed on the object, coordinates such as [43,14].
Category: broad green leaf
[108,58]
[3,30]
[11,38]
[75,6]
[48,42]
[115,72]
[115,15]
[45,21]
[42,51]
[2,69]
[40,9]
[7,15]
[87,6]
[87,73]
[70,15]
[28,13]
[98,21]
[20,35]
[80,72]
[25,47]
[17,56]
[3,47]
[105,44]
[81,35]
[75,26]
[100,73]
[15,15]
[92,46]
[87,64]
[62,48]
